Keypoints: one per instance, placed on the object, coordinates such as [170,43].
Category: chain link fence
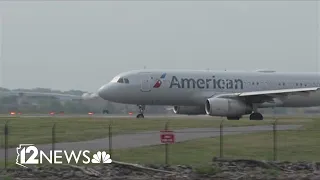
[170,144]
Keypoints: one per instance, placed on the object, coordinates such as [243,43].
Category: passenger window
[120,80]
[126,80]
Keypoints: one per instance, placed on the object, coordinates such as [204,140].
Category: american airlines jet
[227,94]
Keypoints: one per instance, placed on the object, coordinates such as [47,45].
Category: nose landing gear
[141,111]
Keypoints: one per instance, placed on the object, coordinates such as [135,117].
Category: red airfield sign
[167,137]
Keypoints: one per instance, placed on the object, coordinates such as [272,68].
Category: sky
[83,45]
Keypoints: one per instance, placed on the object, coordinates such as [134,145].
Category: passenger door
[145,82]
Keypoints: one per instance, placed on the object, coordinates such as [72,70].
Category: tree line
[47,104]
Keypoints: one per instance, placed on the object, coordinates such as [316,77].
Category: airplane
[230,94]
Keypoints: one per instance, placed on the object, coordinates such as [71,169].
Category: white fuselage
[193,88]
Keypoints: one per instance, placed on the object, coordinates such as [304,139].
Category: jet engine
[226,107]
[189,110]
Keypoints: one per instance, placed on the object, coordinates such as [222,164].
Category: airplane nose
[103,91]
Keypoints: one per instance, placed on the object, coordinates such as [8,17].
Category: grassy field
[39,130]
[302,144]
[293,145]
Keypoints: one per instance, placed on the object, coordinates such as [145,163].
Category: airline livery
[227,94]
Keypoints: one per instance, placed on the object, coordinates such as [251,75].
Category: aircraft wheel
[105,111]
[256,116]
[140,116]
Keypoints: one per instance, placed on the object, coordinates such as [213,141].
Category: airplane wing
[270,95]
[279,92]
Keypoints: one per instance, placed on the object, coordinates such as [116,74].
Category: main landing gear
[141,111]
[256,116]
[253,116]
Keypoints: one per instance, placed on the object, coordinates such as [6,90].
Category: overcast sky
[82,45]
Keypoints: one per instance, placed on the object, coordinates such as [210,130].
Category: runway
[148,138]
[103,116]
[108,116]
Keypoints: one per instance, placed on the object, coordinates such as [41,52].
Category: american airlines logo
[159,81]
[213,83]
[200,83]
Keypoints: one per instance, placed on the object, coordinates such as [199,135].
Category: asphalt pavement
[100,116]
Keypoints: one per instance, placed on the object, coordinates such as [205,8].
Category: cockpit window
[115,79]
[120,80]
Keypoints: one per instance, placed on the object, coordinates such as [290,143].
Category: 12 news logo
[56,156]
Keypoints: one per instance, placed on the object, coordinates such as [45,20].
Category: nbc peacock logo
[159,81]
[101,157]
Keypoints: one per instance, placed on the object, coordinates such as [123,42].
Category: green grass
[39,130]
[293,145]
[302,144]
